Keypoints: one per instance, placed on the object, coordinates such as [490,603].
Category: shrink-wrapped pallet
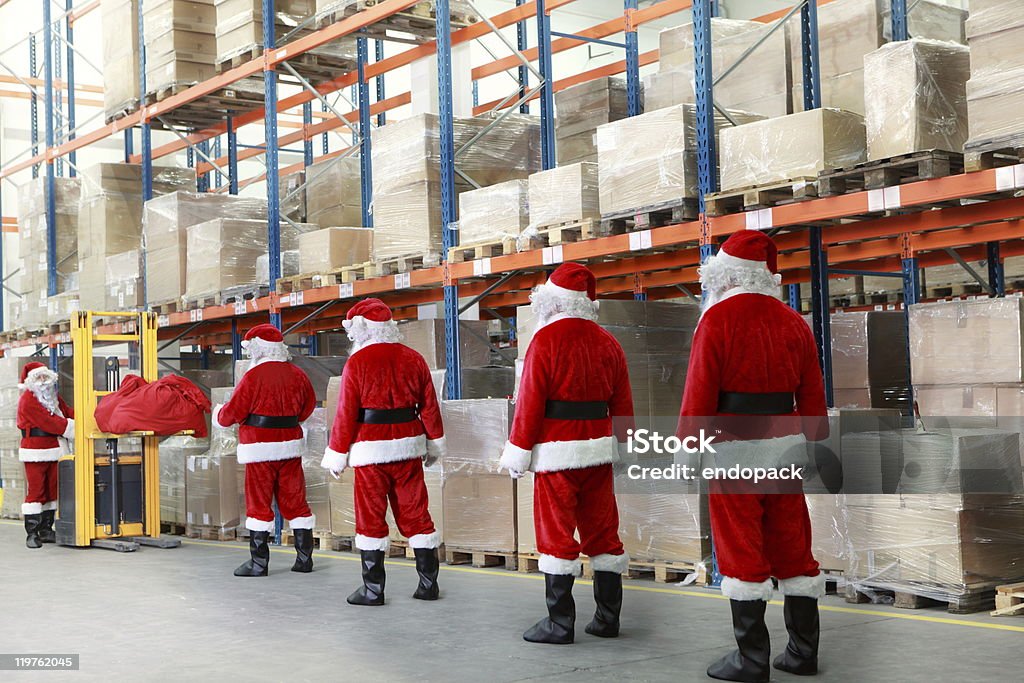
[180,40]
[240,30]
[494,213]
[333,192]
[760,84]
[212,479]
[995,93]
[119,24]
[222,255]
[580,109]
[850,29]
[12,470]
[635,174]
[174,454]
[567,194]
[794,147]
[407,180]
[317,478]
[324,250]
[915,97]
[427,337]
[479,501]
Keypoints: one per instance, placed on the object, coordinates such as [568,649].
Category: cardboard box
[580,110]
[211,491]
[494,213]
[427,337]
[333,195]
[222,254]
[120,29]
[174,454]
[568,194]
[324,250]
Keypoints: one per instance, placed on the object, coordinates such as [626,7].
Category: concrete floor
[179,615]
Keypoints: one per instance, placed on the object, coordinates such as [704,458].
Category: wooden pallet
[342,543]
[994,154]
[651,216]
[481,250]
[122,110]
[669,572]
[528,564]
[480,558]
[210,533]
[401,548]
[1009,600]
[172,528]
[960,289]
[976,598]
[322,540]
[338,276]
[905,168]
[228,296]
[398,264]
[761,196]
[315,67]
[167,307]
[418,20]
[209,109]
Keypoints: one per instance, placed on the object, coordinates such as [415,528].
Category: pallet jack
[108,500]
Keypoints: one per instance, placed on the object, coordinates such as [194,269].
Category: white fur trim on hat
[371,543]
[36,376]
[514,458]
[303,522]
[388,450]
[39,454]
[731,260]
[31,508]
[334,461]
[552,456]
[734,589]
[369,323]
[253,524]
[558,290]
[549,564]
[268,451]
[425,540]
[615,564]
[52,505]
[804,586]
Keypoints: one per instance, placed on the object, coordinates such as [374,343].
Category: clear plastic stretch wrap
[494,213]
[407,181]
[479,501]
[317,478]
[567,194]
[119,24]
[165,223]
[427,337]
[850,29]
[12,471]
[174,454]
[240,28]
[995,93]
[289,265]
[124,181]
[761,84]
[324,250]
[333,192]
[915,97]
[581,109]
[636,174]
[123,281]
[791,147]
[967,342]
[211,479]
[292,191]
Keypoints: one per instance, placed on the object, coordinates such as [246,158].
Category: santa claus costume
[270,404]
[754,356]
[388,426]
[572,413]
[45,421]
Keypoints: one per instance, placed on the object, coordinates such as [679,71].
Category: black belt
[387,416]
[272,421]
[736,403]
[36,431]
[576,410]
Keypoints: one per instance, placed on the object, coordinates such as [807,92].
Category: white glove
[514,459]
[436,448]
[516,474]
[335,462]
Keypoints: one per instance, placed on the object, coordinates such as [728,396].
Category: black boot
[608,596]
[46,532]
[558,627]
[801,655]
[303,551]
[372,590]
[32,523]
[749,664]
[259,549]
[427,568]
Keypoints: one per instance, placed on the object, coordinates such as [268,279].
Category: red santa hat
[36,373]
[750,249]
[264,332]
[573,280]
[373,312]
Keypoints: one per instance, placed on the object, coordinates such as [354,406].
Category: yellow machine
[106,499]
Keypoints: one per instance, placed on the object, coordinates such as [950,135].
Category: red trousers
[400,484]
[284,480]
[568,500]
[760,535]
[40,487]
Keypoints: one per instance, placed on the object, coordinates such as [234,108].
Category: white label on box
[640,240]
[551,255]
[345,290]
[482,266]
[120,299]
[401,280]
[129,288]
[206,519]
[240,307]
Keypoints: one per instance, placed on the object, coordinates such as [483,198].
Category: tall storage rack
[819,238]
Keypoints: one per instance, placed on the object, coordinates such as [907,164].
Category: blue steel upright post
[270,133]
[900,30]
[632,61]
[70,33]
[522,43]
[307,141]
[996,272]
[547,93]
[707,155]
[365,151]
[232,136]
[202,179]
[445,123]
[378,56]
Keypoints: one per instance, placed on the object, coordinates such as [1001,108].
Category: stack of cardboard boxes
[333,195]
[580,110]
[240,29]
[995,92]
[494,213]
[565,195]
[181,45]
[120,27]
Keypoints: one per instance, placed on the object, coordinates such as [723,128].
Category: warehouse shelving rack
[897,230]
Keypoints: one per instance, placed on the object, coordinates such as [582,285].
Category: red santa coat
[34,415]
[570,359]
[274,388]
[384,376]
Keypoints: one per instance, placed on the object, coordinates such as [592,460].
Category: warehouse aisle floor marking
[398,562]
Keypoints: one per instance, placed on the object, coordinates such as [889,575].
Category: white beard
[47,395]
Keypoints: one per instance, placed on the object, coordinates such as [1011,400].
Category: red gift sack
[167,406]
